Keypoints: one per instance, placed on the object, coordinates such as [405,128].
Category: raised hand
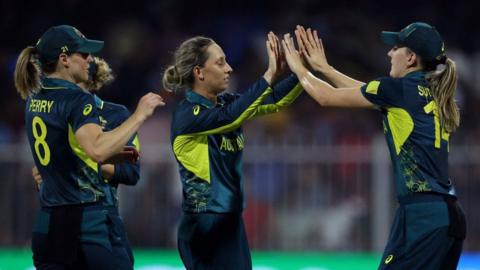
[147,104]
[311,48]
[276,59]
[292,56]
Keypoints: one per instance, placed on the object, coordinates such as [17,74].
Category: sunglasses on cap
[81,54]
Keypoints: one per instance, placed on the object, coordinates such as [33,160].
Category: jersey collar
[196,98]
[416,74]
[98,102]
[54,83]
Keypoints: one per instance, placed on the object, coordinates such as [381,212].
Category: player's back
[52,117]
[418,144]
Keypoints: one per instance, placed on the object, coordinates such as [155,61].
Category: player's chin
[85,80]
[84,77]
[392,73]
[224,86]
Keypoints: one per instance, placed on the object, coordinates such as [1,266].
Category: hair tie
[441,59]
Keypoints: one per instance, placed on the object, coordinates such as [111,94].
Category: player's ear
[412,59]
[63,60]
[198,73]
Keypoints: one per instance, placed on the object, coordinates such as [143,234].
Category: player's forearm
[284,93]
[111,142]
[316,88]
[339,79]
[282,89]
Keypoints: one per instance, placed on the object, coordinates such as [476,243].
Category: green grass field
[18,259]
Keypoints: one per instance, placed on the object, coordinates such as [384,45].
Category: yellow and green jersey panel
[418,144]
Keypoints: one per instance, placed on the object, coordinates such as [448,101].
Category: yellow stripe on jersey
[78,151]
[372,87]
[284,102]
[251,110]
[401,126]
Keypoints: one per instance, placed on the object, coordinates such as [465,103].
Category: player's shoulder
[115,108]
[385,83]
[186,109]
[114,111]
[60,87]
[74,97]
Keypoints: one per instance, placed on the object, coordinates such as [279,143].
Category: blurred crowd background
[314,179]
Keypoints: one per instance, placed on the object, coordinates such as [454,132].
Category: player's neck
[63,75]
[206,94]
[410,70]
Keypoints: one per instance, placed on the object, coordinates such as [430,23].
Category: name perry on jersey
[40,105]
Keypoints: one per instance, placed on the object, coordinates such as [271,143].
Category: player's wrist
[324,69]
[268,76]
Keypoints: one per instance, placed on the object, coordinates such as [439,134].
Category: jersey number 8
[38,124]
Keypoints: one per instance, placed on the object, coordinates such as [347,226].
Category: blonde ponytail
[443,85]
[27,73]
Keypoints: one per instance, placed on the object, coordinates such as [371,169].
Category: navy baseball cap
[421,38]
[64,39]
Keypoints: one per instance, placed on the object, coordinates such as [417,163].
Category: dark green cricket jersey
[418,144]
[207,141]
[111,116]
[52,117]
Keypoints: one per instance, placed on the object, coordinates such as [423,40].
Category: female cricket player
[128,173]
[67,143]
[207,141]
[419,114]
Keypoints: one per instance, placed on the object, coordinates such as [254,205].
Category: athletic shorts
[427,234]
[213,241]
[80,237]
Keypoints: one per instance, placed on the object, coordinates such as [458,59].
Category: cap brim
[390,38]
[91,46]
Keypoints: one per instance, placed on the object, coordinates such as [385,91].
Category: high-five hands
[292,56]
[276,59]
[311,48]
